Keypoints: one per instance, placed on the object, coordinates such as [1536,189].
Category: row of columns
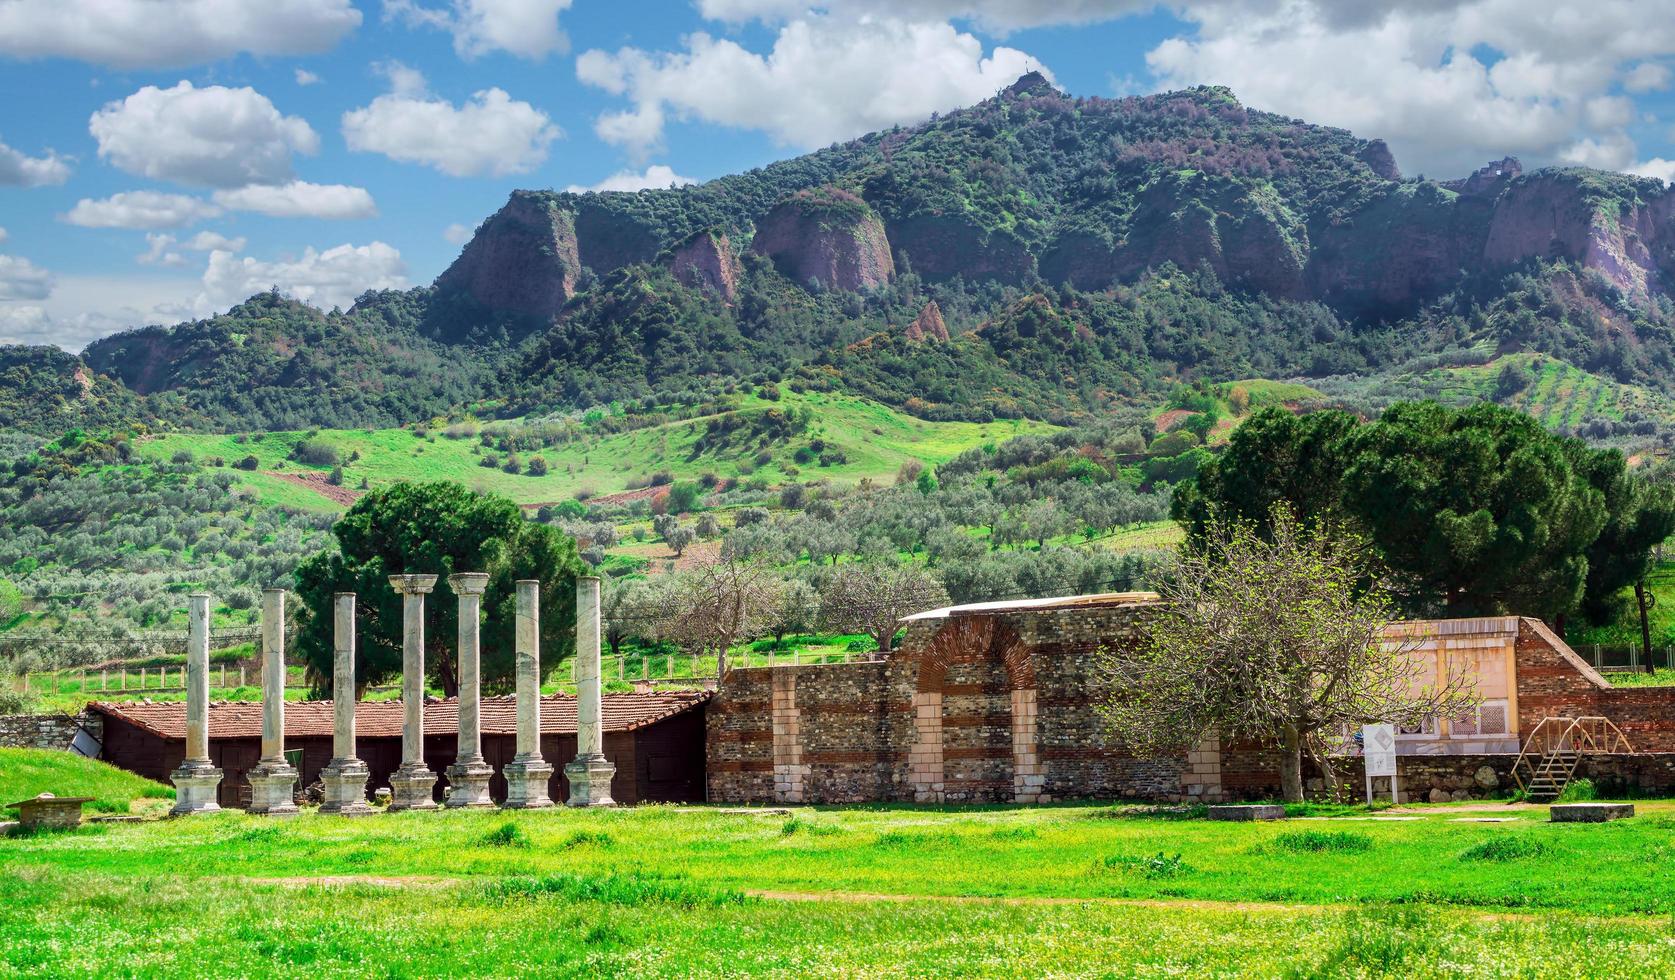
[345,776]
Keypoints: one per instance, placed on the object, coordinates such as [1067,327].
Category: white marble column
[197,781]
[468,777]
[527,774]
[345,775]
[412,785]
[273,779]
[590,774]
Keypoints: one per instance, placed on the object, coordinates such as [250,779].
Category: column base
[271,790]
[345,782]
[412,788]
[526,784]
[468,785]
[196,789]
[590,782]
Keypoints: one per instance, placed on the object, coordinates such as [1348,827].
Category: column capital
[413,584]
[468,583]
[272,589]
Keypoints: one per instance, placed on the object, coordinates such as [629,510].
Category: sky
[161,160]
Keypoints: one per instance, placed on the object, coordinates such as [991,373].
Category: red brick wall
[1554,682]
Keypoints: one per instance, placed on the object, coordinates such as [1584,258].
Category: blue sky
[160,159]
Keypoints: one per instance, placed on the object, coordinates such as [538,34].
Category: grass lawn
[1057,890]
[31,772]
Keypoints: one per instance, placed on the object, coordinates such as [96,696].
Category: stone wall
[47,731]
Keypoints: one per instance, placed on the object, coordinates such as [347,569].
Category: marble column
[273,779]
[527,774]
[345,775]
[590,774]
[412,785]
[468,777]
[197,781]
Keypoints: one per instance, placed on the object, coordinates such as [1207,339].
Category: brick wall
[47,731]
[1554,682]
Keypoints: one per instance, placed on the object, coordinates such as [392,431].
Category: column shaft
[197,679]
[343,676]
[273,675]
[529,669]
[413,677]
[590,738]
[469,776]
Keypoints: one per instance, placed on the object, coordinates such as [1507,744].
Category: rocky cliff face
[828,236]
[522,260]
[1621,228]
[927,325]
[706,261]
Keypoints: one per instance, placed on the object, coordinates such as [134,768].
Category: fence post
[241,675]
[694,666]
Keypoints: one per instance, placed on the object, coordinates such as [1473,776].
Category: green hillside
[858,440]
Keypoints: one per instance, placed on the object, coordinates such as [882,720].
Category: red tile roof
[382,719]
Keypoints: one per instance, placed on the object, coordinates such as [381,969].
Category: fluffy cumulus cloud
[212,136]
[170,33]
[825,79]
[656,177]
[333,277]
[22,279]
[526,28]
[18,169]
[1450,83]
[300,199]
[490,135]
[457,233]
[306,77]
[141,209]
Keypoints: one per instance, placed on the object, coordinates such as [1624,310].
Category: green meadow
[874,439]
[849,891]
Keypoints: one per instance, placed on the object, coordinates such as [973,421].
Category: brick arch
[973,639]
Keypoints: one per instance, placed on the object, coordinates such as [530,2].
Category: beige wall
[1481,652]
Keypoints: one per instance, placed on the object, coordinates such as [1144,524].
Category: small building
[656,741]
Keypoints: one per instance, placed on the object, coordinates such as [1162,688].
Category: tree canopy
[437,528]
[1473,510]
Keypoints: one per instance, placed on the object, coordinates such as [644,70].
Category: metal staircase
[1556,746]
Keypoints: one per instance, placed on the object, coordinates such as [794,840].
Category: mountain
[1033,255]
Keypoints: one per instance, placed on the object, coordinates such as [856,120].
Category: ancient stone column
[197,781]
[345,775]
[527,774]
[412,784]
[468,777]
[273,779]
[590,774]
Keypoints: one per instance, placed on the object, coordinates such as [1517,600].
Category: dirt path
[318,483]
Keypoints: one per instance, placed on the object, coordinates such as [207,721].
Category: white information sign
[1378,752]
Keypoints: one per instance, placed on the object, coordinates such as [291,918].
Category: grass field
[30,772]
[1056,890]
[875,439]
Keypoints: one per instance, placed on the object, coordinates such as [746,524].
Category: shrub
[248,463]
[1579,791]
[587,838]
[181,457]
[313,452]
[537,466]
[512,465]
[16,702]
[1158,865]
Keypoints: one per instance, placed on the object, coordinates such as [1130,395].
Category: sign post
[1378,752]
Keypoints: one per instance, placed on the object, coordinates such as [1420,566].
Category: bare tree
[872,597]
[719,603]
[1280,641]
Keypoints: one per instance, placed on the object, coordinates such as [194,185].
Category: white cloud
[84,308]
[140,209]
[996,16]
[1648,76]
[306,77]
[491,135]
[170,33]
[300,199]
[22,279]
[1657,167]
[18,169]
[657,176]
[166,250]
[330,278]
[3,235]
[457,234]
[1449,83]
[212,136]
[525,28]
[825,79]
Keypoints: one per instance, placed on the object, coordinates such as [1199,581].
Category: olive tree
[1277,638]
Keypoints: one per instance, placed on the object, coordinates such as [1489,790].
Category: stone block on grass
[1589,812]
[1252,811]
